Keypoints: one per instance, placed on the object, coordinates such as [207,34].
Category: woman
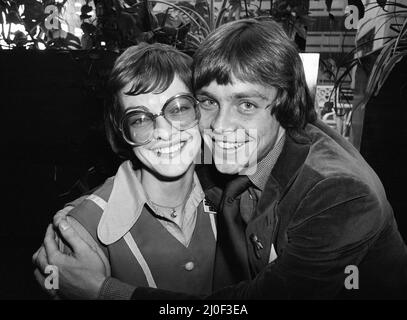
[149,222]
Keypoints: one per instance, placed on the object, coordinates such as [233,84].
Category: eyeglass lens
[138,126]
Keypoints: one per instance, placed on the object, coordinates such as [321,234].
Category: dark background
[52,111]
[54,148]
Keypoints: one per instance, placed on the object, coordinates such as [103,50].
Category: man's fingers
[41,281]
[72,238]
[35,255]
[61,214]
[41,260]
[39,277]
[50,245]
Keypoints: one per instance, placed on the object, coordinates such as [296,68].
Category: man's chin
[228,168]
[237,164]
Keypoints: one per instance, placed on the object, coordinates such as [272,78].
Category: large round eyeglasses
[137,124]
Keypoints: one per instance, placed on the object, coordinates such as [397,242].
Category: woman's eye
[184,109]
[180,109]
[138,121]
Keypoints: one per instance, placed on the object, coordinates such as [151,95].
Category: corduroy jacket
[325,215]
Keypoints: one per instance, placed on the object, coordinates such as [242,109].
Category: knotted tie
[231,261]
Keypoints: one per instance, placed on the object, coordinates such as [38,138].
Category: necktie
[231,260]
[236,186]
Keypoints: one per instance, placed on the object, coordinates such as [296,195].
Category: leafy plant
[392,52]
[32,18]
[119,24]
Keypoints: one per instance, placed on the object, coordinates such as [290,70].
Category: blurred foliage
[386,57]
[37,24]
[293,15]
[117,24]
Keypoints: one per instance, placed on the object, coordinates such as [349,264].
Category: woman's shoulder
[88,209]
[85,213]
[103,191]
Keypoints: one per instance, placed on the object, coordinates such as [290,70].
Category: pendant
[173,213]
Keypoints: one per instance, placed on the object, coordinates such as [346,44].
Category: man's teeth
[171,149]
[229,145]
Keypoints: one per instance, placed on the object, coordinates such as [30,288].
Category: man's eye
[247,107]
[207,103]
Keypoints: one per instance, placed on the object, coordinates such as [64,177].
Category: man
[293,228]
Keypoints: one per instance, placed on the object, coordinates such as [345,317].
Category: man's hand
[81,274]
[61,215]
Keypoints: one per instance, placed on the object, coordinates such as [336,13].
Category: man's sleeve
[113,289]
[334,225]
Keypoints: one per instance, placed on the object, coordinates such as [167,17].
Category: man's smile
[230,142]
[228,145]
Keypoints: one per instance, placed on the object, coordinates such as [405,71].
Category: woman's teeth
[169,150]
[229,145]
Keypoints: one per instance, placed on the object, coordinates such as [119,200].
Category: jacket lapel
[291,159]
[267,222]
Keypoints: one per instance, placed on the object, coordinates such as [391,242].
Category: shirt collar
[266,165]
[126,203]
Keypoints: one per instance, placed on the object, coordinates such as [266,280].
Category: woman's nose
[163,129]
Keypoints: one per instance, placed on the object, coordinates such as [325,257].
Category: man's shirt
[249,198]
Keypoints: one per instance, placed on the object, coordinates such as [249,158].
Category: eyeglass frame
[154,116]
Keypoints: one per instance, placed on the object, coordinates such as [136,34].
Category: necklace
[173,212]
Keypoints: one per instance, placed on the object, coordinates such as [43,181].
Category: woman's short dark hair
[149,68]
[257,52]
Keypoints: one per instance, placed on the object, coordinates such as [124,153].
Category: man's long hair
[257,52]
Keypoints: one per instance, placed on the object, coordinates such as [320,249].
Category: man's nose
[223,120]
[163,129]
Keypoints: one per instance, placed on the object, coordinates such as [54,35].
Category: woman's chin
[171,171]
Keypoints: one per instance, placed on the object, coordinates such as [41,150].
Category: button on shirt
[189,266]
[249,198]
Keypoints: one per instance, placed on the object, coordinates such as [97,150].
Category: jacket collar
[295,151]
[266,165]
[292,157]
